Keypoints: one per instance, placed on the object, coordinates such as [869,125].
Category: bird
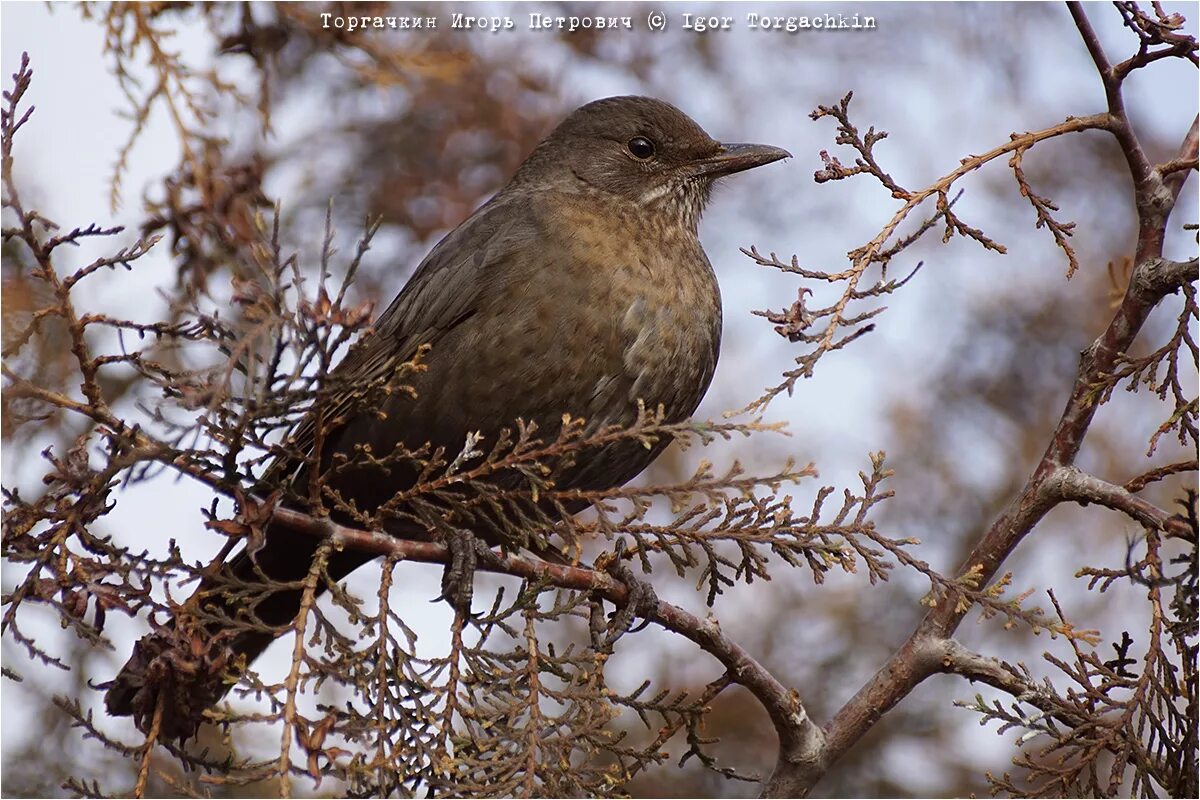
[580,288]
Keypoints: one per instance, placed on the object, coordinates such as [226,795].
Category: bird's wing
[444,291]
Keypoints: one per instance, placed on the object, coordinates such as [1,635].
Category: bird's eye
[641,147]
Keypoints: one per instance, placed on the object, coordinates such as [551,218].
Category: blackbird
[580,288]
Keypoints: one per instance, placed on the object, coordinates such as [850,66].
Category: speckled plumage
[575,325]
[580,288]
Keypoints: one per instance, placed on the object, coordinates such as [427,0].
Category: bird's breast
[655,311]
[599,314]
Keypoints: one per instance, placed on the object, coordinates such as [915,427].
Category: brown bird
[580,288]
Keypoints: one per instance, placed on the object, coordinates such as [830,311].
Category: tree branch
[1074,485]
[1152,279]
[801,739]
[959,660]
[914,662]
[1139,165]
[1135,485]
[1177,170]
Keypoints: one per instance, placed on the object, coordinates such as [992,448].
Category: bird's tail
[193,661]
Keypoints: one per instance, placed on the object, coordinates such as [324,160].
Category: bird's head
[644,151]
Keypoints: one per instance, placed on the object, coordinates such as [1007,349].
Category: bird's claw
[641,601]
[458,579]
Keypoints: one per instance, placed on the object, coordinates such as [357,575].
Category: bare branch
[1071,483]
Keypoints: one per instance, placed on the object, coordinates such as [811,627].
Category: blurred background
[961,382]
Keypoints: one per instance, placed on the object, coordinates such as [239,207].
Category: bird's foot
[458,579]
[642,601]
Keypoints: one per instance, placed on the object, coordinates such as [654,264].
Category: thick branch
[1150,282]
[1152,279]
[800,738]
[1077,486]
[958,660]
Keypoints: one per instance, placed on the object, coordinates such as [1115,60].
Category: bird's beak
[733,158]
